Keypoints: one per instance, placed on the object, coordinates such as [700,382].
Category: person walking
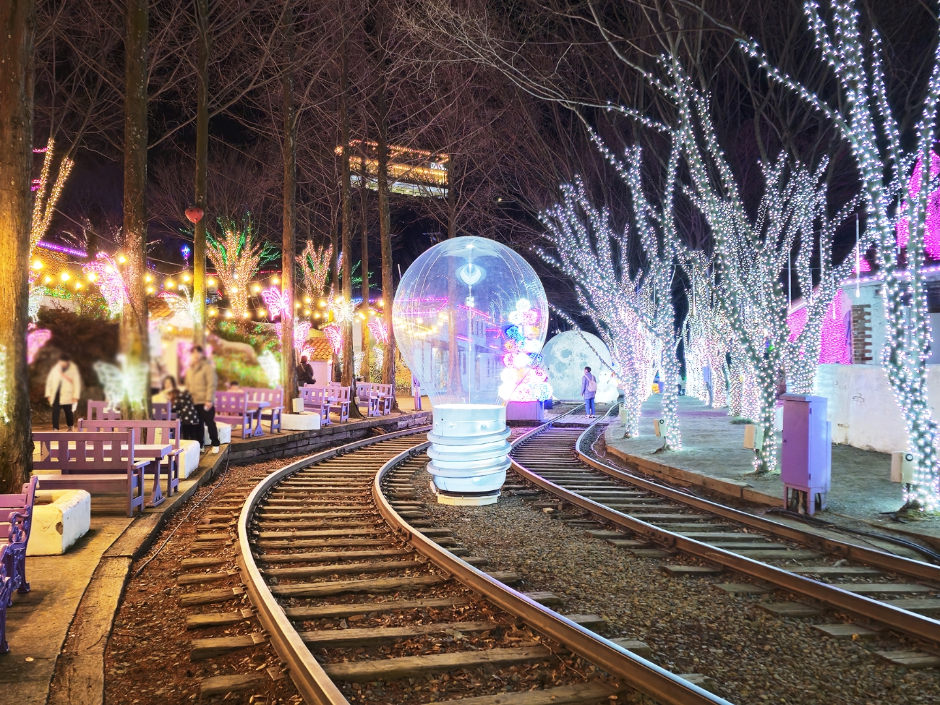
[201,383]
[181,402]
[588,391]
[63,390]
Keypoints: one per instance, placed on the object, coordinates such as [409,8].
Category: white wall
[862,407]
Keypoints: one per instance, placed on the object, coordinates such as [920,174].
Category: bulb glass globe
[470,315]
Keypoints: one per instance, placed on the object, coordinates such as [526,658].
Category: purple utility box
[806,456]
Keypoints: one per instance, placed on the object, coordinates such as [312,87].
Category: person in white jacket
[63,389]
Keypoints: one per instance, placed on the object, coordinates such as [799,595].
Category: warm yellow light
[185,277]
[233,290]
[169,329]
[92,276]
[246,315]
[316,315]
[381,302]
[121,259]
[256,289]
[149,289]
[262,313]
[148,279]
[275,280]
[210,282]
[37,264]
[339,299]
[306,311]
[296,304]
[48,279]
[213,312]
[169,284]
[65,276]
[321,303]
[78,285]
[229,314]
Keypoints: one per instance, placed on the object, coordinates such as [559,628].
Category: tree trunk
[334,274]
[202,157]
[451,202]
[134,332]
[364,268]
[348,363]
[288,245]
[385,233]
[17,28]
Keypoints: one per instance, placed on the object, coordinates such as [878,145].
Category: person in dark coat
[305,372]
[182,405]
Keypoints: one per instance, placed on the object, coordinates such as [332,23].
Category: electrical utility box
[806,456]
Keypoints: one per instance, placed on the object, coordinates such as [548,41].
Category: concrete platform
[713,459]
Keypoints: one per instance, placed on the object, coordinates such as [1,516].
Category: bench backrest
[145,432]
[22,505]
[228,403]
[84,452]
[311,394]
[101,410]
[162,411]
[275,397]
[364,390]
[338,393]
[382,389]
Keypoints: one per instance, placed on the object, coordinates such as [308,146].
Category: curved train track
[881,588]
[354,596]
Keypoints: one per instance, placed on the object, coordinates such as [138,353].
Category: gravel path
[691,626]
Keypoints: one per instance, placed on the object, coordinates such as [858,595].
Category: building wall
[862,408]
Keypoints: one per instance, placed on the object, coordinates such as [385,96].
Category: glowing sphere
[470,315]
[567,354]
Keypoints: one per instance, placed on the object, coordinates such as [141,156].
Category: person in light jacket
[201,383]
[63,390]
[588,391]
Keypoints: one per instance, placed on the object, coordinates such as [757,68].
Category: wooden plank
[678,571]
[640,648]
[353,609]
[743,589]
[217,619]
[197,578]
[342,587]
[289,525]
[313,534]
[926,605]
[650,553]
[846,631]
[577,694]
[506,576]
[319,543]
[208,562]
[222,685]
[330,556]
[837,571]
[413,666]
[371,636]
[588,621]
[789,609]
[886,588]
[910,659]
[221,645]
[701,680]
[627,543]
[543,597]
[340,568]
[209,597]
[762,555]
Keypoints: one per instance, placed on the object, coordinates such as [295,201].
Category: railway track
[364,603]
[881,589]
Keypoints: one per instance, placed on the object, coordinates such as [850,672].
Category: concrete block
[225,433]
[60,518]
[306,421]
[189,459]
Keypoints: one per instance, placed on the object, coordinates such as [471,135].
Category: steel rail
[633,670]
[311,680]
[892,617]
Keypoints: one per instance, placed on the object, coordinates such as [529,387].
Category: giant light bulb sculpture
[470,317]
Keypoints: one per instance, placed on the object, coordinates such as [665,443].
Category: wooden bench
[315,399]
[166,433]
[339,399]
[232,408]
[275,399]
[376,397]
[95,462]
[162,411]
[16,518]
[100,411]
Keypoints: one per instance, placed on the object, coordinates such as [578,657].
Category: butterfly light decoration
[35,339]
[181,304]
[378,329]
[125,380]
[105,271]
[301,331]
[278,303]
[335,335]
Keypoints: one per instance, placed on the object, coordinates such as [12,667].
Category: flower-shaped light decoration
[105,272]
[35,339]
[278,303]
[335,335]
[523,378]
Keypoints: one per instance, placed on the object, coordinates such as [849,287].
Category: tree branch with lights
[237,255]
[861,113]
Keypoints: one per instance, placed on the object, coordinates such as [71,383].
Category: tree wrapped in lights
[750,254]
[315,265]
[237,255]
[617,302]
[706,333]
[862,115]
[47,194]
[105,272]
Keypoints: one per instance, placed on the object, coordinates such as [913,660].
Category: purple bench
[339,400]
[95,462]
[232,408]
[16,517]
[166,433]
[377,397]
[100,411]
[275,399]
[316,399]
[6,594]
[162,411]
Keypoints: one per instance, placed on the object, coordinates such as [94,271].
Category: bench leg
[6,594]
[19,570]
